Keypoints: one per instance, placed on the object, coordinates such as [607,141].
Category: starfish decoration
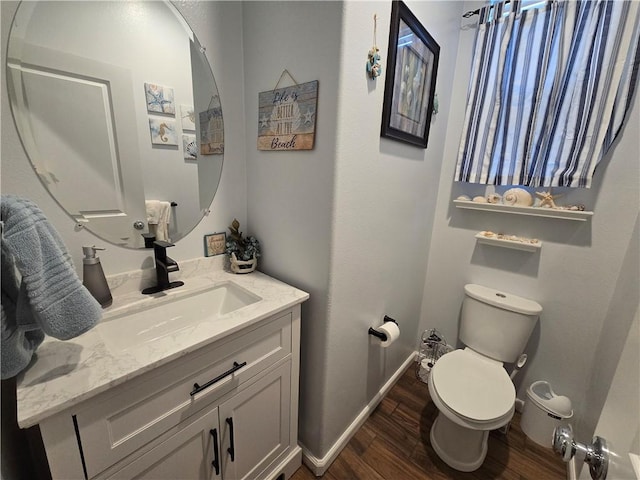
[264,121]
[156,98]
[308,116]
[547,199]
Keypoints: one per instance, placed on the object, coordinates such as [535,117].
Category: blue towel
[41,292]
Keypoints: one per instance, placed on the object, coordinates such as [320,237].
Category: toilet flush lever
[596,454]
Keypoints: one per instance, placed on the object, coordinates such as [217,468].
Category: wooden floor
[394,444]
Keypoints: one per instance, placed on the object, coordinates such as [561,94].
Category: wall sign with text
[287,117]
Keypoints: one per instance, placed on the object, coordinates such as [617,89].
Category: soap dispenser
[93,276]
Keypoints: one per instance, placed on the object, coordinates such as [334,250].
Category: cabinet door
[189,454]
[255,425]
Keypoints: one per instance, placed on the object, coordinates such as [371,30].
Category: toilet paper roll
[392,332]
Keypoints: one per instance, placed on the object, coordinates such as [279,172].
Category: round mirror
[119,114]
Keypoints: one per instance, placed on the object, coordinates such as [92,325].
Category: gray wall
[291,194]
[350,220]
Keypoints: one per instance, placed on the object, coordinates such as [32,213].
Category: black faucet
[164,265]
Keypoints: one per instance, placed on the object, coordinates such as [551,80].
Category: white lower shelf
[526,244]
[581,216]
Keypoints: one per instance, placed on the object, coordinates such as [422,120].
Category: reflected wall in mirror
[76,79]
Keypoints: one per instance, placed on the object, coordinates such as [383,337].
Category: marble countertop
[65,373]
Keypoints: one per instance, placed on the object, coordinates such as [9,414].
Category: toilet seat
[473,388]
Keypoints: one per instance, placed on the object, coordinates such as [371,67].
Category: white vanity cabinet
[253,424]
[228,410]
[188,453]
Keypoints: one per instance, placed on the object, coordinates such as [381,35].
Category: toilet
[470,387]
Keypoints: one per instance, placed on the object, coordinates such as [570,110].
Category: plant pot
[243,266]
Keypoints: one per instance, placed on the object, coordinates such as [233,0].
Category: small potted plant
[243,251]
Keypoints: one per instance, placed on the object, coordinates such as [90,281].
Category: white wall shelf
[525,245]
[581,216]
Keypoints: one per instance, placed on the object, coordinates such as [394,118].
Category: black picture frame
[215,244]
[410,83]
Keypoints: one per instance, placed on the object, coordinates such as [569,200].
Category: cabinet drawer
[260,414]
[116,424]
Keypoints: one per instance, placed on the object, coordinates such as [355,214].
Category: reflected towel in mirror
[158,218]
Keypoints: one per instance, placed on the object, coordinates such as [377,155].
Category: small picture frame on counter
[214,244]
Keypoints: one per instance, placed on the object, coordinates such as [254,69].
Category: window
[549,91]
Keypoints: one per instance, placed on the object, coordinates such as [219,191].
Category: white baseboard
[289,465]
[320,465]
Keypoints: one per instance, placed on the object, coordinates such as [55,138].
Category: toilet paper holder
[381,335]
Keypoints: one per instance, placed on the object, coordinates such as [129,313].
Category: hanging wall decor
[188,117]
[163,131]
[287,116]
[411,79]
[212,128]
[159,99]
[374,68]
[189,146]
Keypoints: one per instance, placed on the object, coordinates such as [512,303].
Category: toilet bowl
[474,395]
[470,387]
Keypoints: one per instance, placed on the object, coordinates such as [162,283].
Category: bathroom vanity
[200,382]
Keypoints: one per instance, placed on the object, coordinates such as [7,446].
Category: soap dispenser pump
[93,276]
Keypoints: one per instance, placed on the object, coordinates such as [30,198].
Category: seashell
[494,198]
[517,196]
[479,199]
[466,198]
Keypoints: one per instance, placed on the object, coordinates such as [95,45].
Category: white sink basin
[169,317]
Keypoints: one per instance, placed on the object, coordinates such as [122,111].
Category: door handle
[216,458]
[232,448]
[596,454]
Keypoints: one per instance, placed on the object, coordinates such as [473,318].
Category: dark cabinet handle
[216,459]
[231,449]
[198,388]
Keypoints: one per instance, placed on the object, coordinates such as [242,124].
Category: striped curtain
[549,91]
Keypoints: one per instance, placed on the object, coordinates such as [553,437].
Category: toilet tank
[495,323]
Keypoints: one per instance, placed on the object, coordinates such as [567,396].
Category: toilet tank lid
[506,301]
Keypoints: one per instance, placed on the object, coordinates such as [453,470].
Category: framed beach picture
[212,131]
[411,79]
[215,244]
